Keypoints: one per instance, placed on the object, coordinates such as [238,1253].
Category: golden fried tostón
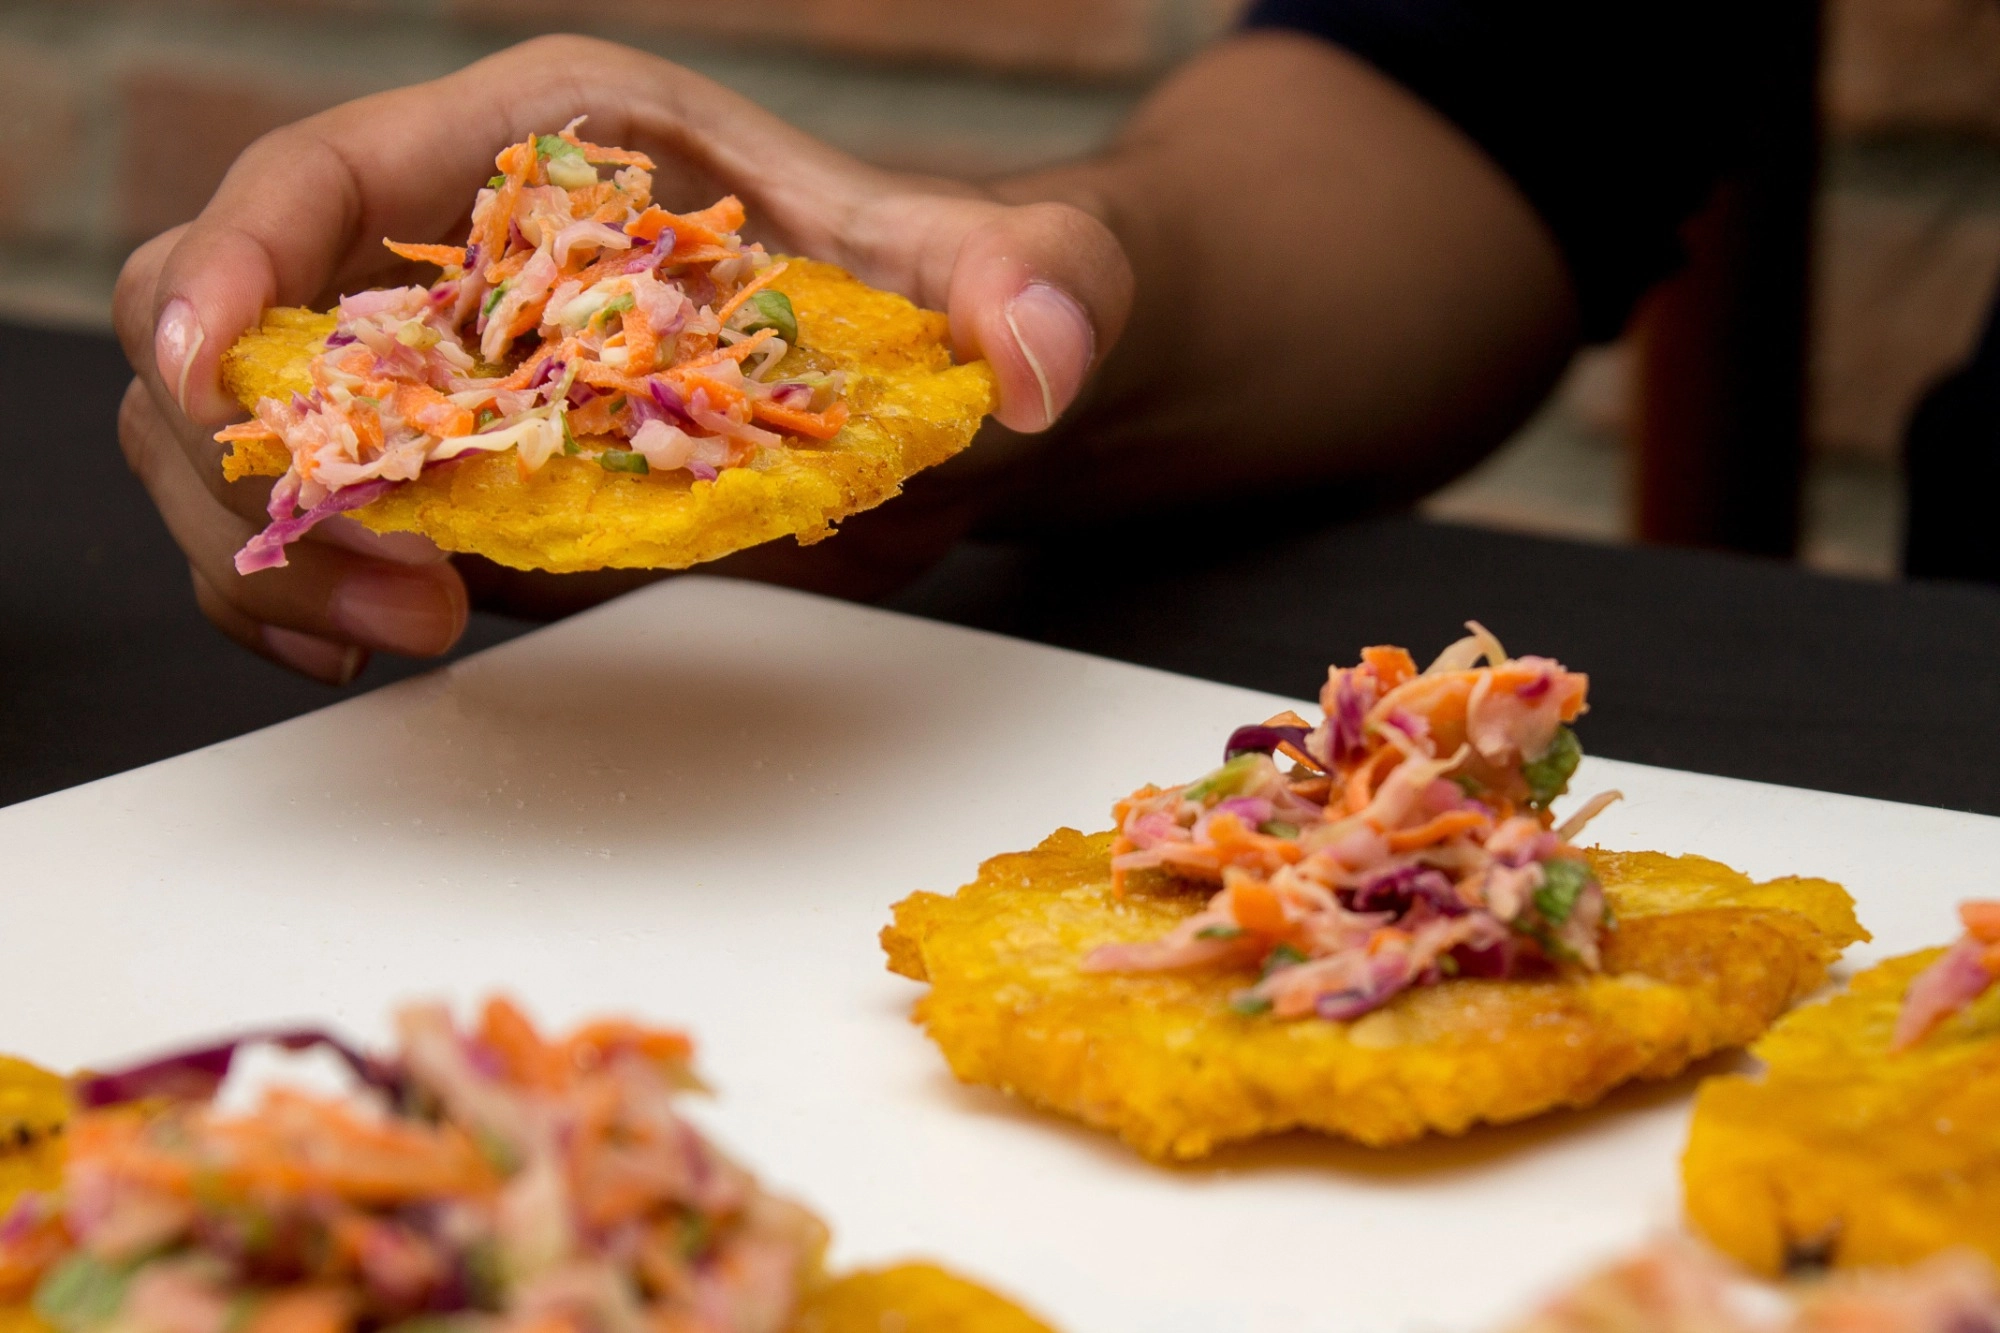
[912,409]
[1702,959]
[593,381]
[1844,1151]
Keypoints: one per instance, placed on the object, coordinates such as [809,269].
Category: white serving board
[697,804]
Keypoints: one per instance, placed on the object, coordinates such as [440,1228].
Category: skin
[1245,293]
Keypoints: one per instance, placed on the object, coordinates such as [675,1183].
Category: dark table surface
[1705,662]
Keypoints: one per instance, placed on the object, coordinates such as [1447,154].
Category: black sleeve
[1615,117]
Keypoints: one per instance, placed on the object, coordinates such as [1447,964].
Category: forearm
[1333,285]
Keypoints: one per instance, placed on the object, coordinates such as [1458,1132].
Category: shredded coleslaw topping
[489,1180]
[1961,974]
[578,318]
[1407,839]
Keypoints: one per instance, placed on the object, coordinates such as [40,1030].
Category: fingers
[1041,291]
[308,654]
[330,591]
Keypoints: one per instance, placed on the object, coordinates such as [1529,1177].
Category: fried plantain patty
[1702,959]
[911,409]
[1841,1152]
[911,1298]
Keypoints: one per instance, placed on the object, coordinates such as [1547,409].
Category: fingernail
[322,659]
[404,548]
[176,342]
[402,612]
[1055,339]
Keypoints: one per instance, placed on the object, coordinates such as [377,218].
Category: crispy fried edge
[574,516]
[1839,1152]
[1204,1075]
[916,1297]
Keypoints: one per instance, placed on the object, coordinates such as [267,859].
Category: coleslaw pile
[579,318]
[1961,974]
[1408,840]
[482,1181]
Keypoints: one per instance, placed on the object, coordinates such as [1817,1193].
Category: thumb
[1042,292]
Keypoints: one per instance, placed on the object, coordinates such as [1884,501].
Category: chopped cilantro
[1548,774]
[496,182]
[554,145]
[493,299]
[570,446]
[487,416]
[1563,882]
[80,1292]
[624,460]
[1284,955]
[694,1234]
[1225,781]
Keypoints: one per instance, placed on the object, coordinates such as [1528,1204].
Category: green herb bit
[497,182]
[1548,774]
[499,1153]
[554,145]
[1447,966]
[570,446]
[1224,782]
[624,460]
[774,311]
[485,1273]
[1468,784]
[1218,932]
[1248,1004]
[487,416]
[1278,828]
[493,299]
[617,404]
[1563,882]
[695,1234]
[80,1292]
[1282,956]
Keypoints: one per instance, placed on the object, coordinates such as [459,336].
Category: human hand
[1040,290]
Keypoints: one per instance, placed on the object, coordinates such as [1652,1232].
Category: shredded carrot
[1982,919]
[721,396]
[1392,666]
[1438,829]
[252,429]
[642,345]
[1256,907]
[796,421]
[529,1060]
[748,290]
[504,268]
[444,256]
[1360,787]
[599,155]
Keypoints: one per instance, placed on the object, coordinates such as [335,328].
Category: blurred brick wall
[121,117]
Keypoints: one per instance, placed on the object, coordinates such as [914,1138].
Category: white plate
[697,804]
